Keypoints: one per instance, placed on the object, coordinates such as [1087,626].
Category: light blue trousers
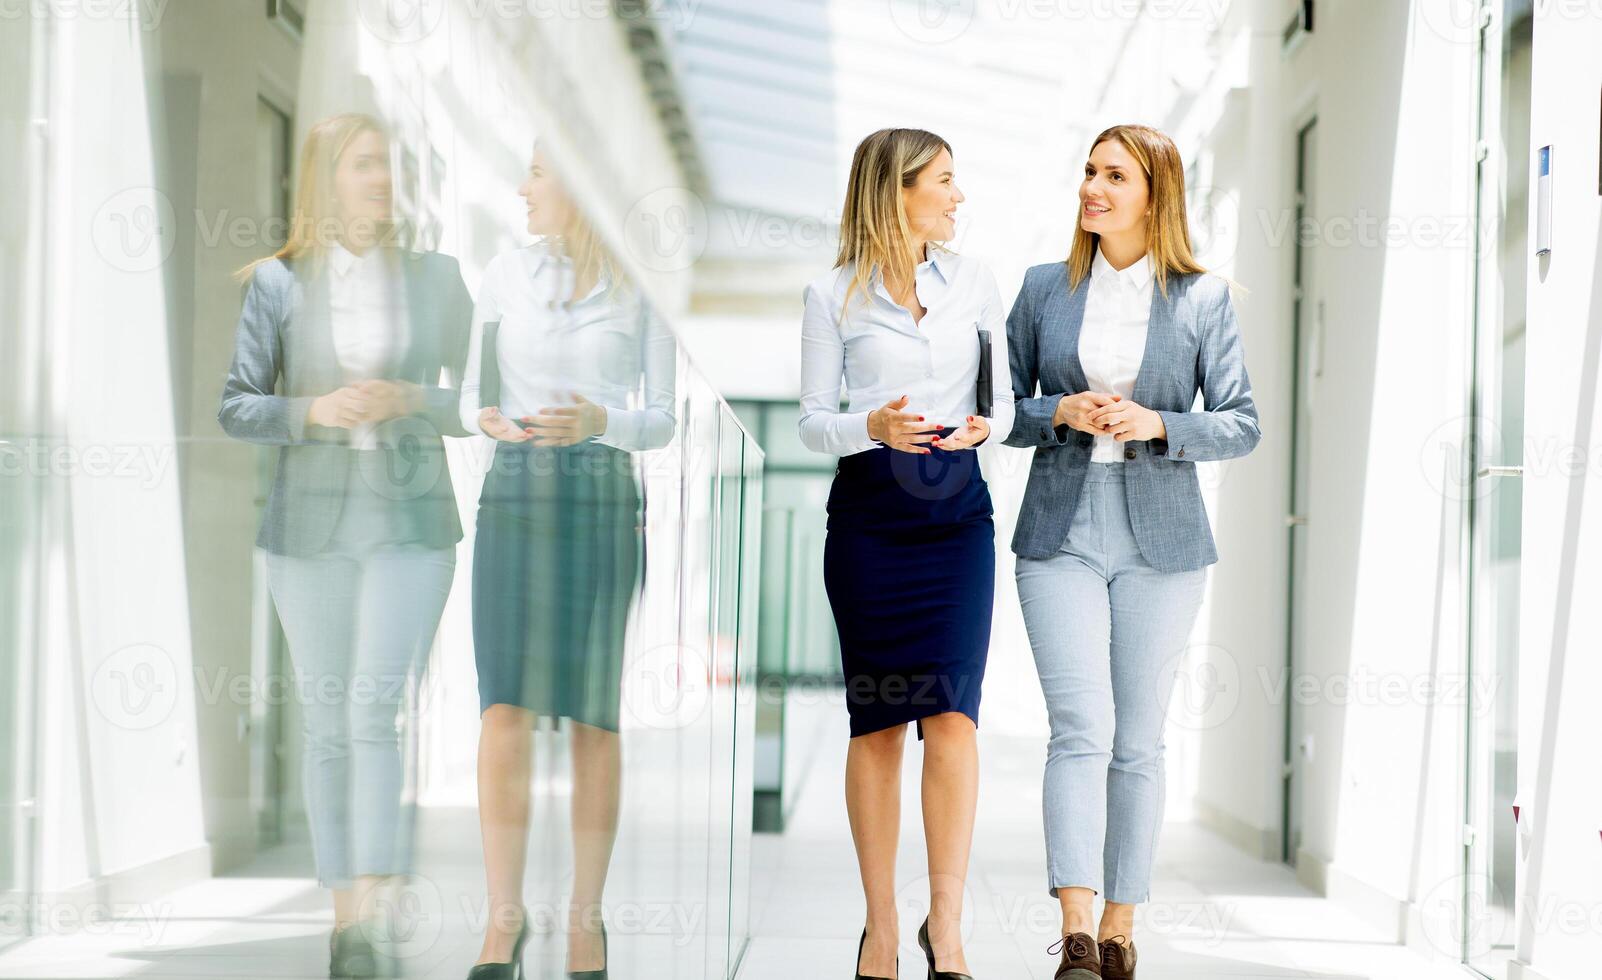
[359,619]
[1108,632]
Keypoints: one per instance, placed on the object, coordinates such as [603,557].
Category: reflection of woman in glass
[584,376]
[339,355]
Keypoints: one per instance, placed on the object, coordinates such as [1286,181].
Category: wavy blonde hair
[314,221]
[1168,229]
[581,244]
[874,232]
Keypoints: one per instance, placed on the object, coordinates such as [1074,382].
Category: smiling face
[931,202]
[550,210]
[1114,196]
[362,187]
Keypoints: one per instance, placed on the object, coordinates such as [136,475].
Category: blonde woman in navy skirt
[909,561]
[570,373]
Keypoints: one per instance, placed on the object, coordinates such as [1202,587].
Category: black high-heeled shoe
[512,970]
[928,950]
[351,954]
[860,944]
[606,961]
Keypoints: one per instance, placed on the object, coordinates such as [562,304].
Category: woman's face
[931,202]
[550,210]
[1114,195]
[362,189]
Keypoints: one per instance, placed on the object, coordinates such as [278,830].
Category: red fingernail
[920,418]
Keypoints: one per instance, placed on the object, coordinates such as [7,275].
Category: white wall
[119,779]
[1393,97]
[1560,672]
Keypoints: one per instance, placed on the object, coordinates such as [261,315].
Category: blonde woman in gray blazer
[347,357]
[1107,352]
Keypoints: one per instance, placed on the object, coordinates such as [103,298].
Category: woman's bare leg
[873,803]
[505,767]
[950,796]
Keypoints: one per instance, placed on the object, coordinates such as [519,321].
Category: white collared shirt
[1112,337]
[367,317]
[881,353]
[607,346]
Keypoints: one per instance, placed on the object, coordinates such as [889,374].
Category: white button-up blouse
[608,346]
[881,353]
[1112,337]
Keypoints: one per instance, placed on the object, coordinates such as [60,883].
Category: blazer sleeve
[1032,414]
[1227,426]
[251,409]
[441,400]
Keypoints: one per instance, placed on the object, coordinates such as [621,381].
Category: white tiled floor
[1216,912]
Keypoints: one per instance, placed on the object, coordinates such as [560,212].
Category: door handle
[1500,471]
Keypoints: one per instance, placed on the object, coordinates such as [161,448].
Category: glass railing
[297,605]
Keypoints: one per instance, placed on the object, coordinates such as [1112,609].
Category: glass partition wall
[21,491]
[279,610]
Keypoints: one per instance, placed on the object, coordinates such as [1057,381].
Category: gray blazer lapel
[314,363]
[1064,347]
[420,342]
[1159,351]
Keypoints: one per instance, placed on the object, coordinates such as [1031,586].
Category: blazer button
[1129,453]
[1180,453]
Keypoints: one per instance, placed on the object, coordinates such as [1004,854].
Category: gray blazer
[284,358]
[1192,342]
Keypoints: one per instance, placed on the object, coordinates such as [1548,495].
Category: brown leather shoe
[1081,960]
[1117,960]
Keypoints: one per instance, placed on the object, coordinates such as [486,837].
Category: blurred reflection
[569,372]
[339,355]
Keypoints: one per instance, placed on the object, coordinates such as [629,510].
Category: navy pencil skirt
[556,566]
[909,564]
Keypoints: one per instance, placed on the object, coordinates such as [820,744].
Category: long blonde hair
[582,245]
[314,220]
[874,232]
[1168,229]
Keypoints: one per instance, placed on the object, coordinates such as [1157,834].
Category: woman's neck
[1122,251]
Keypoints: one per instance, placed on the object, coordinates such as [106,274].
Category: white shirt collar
[939,259]
[1135,276]
[342,259]
[562,264]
